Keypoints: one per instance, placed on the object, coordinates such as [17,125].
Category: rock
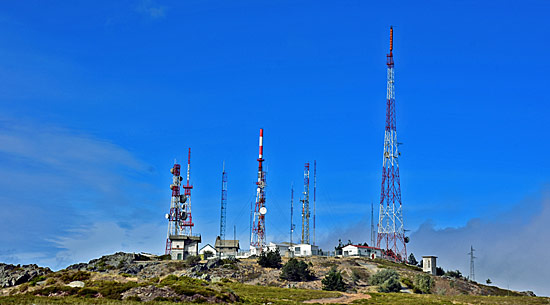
[76,284]
[213,263]
[11,275]
[215,279]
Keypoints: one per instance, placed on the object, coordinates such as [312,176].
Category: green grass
[429,299]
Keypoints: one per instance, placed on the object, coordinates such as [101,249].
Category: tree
[412,260]
[208,254]
[270,259]
[387,279]
[295,270]
[333,281]
[423,283]
[488,281]
[439,271]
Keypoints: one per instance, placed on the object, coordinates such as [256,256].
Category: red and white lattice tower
[391,233]
[187,224]
[177,208]
[257,240]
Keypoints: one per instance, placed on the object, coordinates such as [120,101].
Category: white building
[206,249]
[358,250]
[304,250]
[184,246]
[429,264]
[282,247]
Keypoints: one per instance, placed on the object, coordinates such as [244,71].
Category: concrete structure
[429,264]
[226,247]
[304,250]
[208,248]
[358,250]
[184,246]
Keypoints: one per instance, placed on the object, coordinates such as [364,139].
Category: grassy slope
[258,294]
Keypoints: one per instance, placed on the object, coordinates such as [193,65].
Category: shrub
[423,283]
[111,289]
[407,281]
[87,292]
[169,280]
[387,279]
[165,257]
[74,276]
[333,281]
[391,285]
[295,270]
[456,274]
[270,259]
[192,260]
[134,298]
[439,271]
[36,279]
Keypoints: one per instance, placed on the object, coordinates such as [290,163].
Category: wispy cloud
[53,180]
[151,9]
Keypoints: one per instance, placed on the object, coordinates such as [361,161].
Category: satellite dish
[263,210]
[167,216]
[183,198]
[183,216]
[407,239]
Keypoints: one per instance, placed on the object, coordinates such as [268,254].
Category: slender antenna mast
[472,257]
[187,225]
[305,206]
[224,203]
[372,241]
[292,226]
[314,195]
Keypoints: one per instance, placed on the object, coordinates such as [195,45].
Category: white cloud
[511,248]
[151,9]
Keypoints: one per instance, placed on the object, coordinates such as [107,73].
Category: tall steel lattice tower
[472,276]
[391,233]
[257,240]
[305,206]
[187,224]
[224,204]
[177,208]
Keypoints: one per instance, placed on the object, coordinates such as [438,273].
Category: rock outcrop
[11,275]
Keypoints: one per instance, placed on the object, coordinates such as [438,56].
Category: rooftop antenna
[472,257]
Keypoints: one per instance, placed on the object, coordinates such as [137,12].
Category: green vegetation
[387,280]
[71,276]
[296,270]
[192,260]
[270,259]
[333,281]
[423,283]
[412,260]
[37,279]
[456,274]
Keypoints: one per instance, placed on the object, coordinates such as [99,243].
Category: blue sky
[97,99]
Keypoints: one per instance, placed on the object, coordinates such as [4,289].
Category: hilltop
[148,278]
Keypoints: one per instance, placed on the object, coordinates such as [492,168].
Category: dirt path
[346,298]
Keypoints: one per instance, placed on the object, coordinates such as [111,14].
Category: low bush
[37,279]
[192,260]
[333,281]
[423,283]
[111,289]
[295,270]
[456,274]
[387,280]
[68,277]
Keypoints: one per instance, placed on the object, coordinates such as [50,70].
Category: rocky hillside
[145,277]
